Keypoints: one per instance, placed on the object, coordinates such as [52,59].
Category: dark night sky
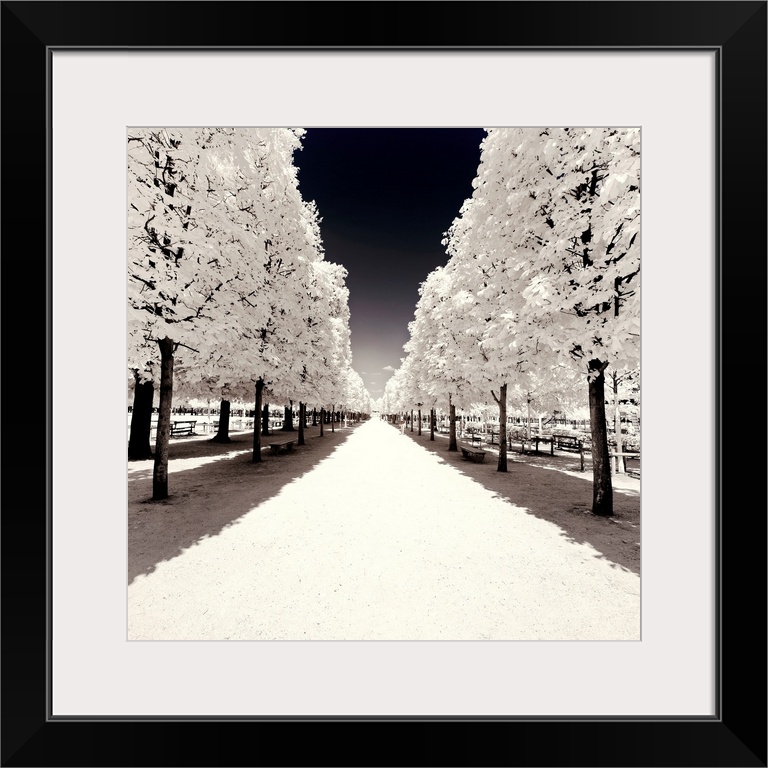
[385,197]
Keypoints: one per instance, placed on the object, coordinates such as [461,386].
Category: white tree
[548,246]
[242,173]
[487,358]
[440,347]
[414,391]
[334,357]
[356,397]
[584,298]
[221,247]
[173,275]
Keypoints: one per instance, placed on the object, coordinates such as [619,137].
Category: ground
[369,533]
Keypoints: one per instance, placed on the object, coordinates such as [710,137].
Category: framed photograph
[692,77]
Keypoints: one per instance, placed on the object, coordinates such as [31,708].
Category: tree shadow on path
[554,496]
[220,485]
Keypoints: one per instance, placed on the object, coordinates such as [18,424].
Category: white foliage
[226,258]
[543,269]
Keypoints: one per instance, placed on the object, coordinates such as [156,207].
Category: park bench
[182,428]
[472,454]
[285,446]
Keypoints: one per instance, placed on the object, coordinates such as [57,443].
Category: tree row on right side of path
[540,293]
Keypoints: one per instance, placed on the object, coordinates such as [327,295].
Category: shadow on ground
[220,485]
[555,496]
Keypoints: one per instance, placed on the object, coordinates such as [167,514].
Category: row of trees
[540,293]
[229,294]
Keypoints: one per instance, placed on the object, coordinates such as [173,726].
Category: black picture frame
[736,736]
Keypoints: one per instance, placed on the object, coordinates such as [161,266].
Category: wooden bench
[284,446]
[182,428]
[473,455]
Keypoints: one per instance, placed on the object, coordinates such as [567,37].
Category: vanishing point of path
[382,540]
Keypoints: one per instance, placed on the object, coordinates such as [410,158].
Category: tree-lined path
[379,540]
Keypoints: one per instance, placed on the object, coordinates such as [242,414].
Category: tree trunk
[300,441]
[528,426]
[222,435]
[620,463]
[322,419]
[256,458]
[333,417]
[419,422]
[411,419]
[314,417]
[602,488]
[288,418]
[139,447]
[432,424]
[452,445]
[265,420]
[160,471]
[502,401]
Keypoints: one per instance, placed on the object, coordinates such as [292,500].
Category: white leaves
[541,257]
[223,254]
[614,185]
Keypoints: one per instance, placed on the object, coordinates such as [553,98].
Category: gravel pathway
[382,540]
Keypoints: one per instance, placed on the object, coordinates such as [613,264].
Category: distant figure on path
[402,427]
